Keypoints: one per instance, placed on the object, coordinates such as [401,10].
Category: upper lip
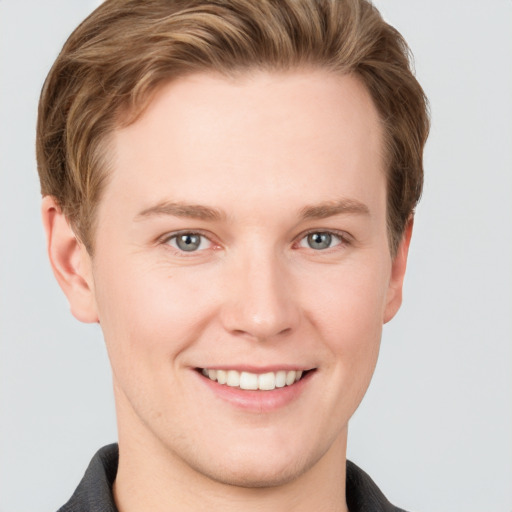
[257,369]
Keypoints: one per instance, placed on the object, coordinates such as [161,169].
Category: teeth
[267,381]
[233,379]
[280,379]
[248,381]
[254,381]
[290,377]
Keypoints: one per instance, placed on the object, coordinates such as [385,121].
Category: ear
[70,261]
[398,266]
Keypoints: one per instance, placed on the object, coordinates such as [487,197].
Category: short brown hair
[117,57]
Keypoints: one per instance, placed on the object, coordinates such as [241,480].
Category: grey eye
[320,240]
[189,242]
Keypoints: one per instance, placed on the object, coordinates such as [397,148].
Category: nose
[260,300]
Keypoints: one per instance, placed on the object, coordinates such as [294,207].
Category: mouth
[244,380]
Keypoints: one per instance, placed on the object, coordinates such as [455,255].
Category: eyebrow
[201,212]
[191,211]
[331,208]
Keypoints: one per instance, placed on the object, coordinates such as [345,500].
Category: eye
[189,242]
[320,240]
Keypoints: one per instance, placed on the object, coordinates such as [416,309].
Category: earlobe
[71,264]
[398,267]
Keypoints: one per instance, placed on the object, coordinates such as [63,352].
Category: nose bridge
[260,301]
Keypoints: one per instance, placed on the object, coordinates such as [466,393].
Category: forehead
[210,139]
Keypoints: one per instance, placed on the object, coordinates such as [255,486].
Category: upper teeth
[246,380]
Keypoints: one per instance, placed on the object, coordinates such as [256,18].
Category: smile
[254,381]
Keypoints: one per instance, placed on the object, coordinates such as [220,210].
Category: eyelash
[343,237]
[174,236]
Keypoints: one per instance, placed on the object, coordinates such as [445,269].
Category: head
[229,190]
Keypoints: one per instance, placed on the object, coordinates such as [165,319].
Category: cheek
[350,321]
[351,300]
[149,315]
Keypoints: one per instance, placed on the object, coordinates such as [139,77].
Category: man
[229,190]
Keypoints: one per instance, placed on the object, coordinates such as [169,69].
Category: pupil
[319,240]
[188,242]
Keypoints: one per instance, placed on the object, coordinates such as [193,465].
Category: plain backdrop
[435,429]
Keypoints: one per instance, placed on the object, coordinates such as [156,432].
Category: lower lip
[258,401]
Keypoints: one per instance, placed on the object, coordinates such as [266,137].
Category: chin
[255,475]
[257,468]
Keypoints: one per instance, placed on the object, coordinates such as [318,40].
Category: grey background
[435,430]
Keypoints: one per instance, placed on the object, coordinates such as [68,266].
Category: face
[242,274]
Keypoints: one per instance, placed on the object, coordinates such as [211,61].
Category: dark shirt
[94,494]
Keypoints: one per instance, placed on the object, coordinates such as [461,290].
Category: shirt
[94,493]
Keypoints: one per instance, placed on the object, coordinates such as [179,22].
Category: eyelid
[165,239]
[344,237]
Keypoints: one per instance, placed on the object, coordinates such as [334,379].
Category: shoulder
[94,493]
[362,493]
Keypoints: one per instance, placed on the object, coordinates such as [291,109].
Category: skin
[258,150]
